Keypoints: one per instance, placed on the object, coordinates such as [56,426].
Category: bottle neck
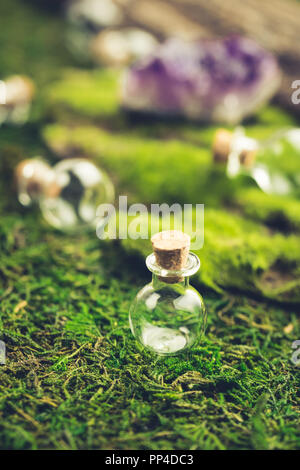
[242,154]
[162,277]
[35,180]
[159,281]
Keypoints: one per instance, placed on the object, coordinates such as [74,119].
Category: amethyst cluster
[219,80]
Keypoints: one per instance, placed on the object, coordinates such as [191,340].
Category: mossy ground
[75,378]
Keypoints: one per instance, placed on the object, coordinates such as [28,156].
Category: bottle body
[167,318]
[80,187]
[85,19]
[273,164]
[16,94]
[68,194]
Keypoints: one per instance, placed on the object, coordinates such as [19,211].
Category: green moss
[130,161]
[74,377]
[183,171]
[33,44]
[92,94]
[276,211]
[29,38]
[242,255]
[81,93]
[247,259]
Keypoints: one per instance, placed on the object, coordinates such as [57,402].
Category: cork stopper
[171,249]
[222,145]
[247,157]
[34,178]
[18,90]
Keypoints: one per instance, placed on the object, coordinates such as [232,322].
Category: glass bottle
[16,94]
[274,164]
[85,19]
[121,47]
[68,194]
[168,316]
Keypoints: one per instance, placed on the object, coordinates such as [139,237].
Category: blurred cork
[171,249]
[18,89]
[247,157]
[222,145]
[35,177]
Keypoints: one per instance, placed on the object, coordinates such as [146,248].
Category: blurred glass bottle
[86,18]
[68,194]
[121,47]
[16,94]
[274,164]
[168,315]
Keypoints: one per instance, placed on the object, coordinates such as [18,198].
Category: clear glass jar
[273,164]
[85,19]
[16,95]
[168,316]
[68,194]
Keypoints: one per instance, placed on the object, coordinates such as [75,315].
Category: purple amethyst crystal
[216,80]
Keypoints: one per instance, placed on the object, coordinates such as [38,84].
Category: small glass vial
[68,194]
[122,47]
[85,19]
[168,315]
[260,160]
[16,94]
